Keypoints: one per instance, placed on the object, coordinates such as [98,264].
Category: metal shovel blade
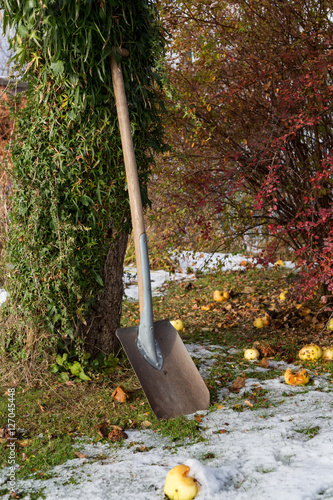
[176,389]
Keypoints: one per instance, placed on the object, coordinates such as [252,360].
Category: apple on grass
[221,296]
[251,354]
[310,352]
[258,323]
[327,353]
[177,324]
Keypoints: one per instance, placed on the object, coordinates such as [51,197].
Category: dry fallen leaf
[264,363]
[238,383]
[116,427]
[119,394]
[117,435]
[24,442]
[102,429]
[80,455]
[145,424]
[198,418]
[248,403]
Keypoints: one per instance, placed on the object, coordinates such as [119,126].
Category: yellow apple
[279,263]
[258,323]
[310,352]
[327,353]
[300,378]
[226,295]
[218,296]
[251,354]
[179,486]
[266,320]
[177,324]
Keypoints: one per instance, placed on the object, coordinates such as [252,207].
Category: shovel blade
[176,389]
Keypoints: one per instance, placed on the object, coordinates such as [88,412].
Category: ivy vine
[69,195]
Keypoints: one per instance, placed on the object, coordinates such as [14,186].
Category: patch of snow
[3,295]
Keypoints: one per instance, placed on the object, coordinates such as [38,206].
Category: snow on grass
[273,453]
[281,451]
[185,261]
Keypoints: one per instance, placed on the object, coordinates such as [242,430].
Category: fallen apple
[251,354]
[266,320]
[218,296]
[299,378]
[179,486]
[279,263]
[258,323]
[177,324]
[310,352]
[327,353]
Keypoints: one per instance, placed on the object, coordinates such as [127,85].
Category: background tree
[251,96]
[70,214]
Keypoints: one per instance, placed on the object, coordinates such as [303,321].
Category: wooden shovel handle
[130,166]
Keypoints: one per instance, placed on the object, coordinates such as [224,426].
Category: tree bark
[100,331]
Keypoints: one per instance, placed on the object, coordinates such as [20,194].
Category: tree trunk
[99,332]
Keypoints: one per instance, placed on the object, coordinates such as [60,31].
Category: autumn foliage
[251,124]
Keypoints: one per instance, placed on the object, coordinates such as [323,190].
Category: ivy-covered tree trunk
[104,319]
[70,213]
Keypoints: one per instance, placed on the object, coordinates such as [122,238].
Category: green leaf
[75,368]
[57,68]
[63,377]
[99,279]
[59,360]
[83,376]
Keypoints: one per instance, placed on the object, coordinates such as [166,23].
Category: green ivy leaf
[57,67]
[75,368]
[54,368]
[83,376]
[63,377]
